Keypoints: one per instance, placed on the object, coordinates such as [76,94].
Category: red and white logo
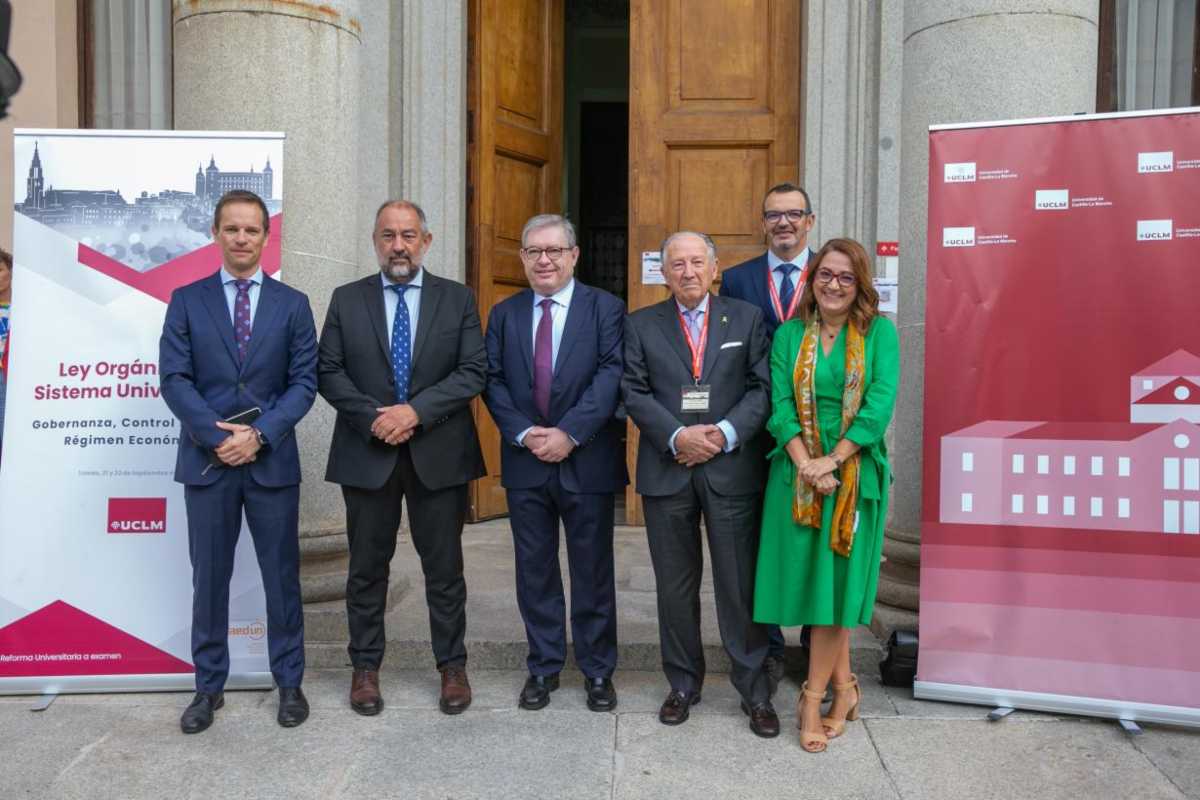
[1157,162]
[958,237]
[137,515]
[1154,230]
[961,172]
[1051,199]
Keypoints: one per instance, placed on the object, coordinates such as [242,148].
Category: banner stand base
[999,699]
[43,702]
[1131,727]
[51,687]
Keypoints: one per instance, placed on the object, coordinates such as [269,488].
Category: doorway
[635,118]
[596,139]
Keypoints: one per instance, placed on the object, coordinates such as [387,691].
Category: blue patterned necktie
[241,318]
[785,287]
[401,344]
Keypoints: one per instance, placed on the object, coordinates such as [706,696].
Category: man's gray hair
[410,205]
[708,242]
[545,221]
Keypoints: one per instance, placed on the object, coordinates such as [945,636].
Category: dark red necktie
[543,358]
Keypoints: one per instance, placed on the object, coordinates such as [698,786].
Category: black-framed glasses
[828,276]
[793,215]
[553,253]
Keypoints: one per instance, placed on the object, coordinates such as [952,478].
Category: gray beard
[397,271]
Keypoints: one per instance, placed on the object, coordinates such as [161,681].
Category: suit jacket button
[391,381]
[241,386]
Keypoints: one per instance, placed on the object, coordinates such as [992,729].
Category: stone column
[430,71]
[841,130]
[297,68]
[964,61]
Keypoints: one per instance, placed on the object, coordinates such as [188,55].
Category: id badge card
[695,399]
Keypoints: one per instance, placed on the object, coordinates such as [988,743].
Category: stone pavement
[129,746]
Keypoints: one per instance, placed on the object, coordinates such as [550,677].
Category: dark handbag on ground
[899,664]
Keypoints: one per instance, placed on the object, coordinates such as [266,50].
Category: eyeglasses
[828,276]
[793,215]
[535,253]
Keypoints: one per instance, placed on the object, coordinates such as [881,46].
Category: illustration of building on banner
[154,227]
[1141,475]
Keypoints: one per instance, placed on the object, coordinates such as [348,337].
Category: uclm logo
[137,515]
[958,237]
[963,172]
[1154,230]
[1156,162]
[1050,199]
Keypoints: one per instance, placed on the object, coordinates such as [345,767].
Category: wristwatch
[262,440]
[833,457]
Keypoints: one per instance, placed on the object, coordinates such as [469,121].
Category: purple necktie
[543,358]
[241,318]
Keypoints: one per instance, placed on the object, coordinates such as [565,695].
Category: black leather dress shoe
[293,706]
[677,707]
[199,714]
[601,694]
[536,693]
[763,719]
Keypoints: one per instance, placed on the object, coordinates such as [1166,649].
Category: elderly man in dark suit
[774,282]
[554,378]
[696,384]
[401,357]
[240,344]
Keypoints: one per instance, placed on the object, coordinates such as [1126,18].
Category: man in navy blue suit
[234,342]
[774,282]
[554,374]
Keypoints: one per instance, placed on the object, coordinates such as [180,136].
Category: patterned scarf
[807,504]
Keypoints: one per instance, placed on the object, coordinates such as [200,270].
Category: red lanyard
[697,349]
[775,301]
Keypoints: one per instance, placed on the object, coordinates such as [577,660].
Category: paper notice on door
[652,268]
[889,289]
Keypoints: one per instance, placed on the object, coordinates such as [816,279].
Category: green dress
[801,581]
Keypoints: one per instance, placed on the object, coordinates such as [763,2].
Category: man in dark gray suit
[697,384]
[401,357]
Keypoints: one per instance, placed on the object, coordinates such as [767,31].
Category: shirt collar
[227,277]
[703,307]
[415,283]
[562,297]
[774,261]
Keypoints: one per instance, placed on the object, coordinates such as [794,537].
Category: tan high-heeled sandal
[810,742]
[836,727]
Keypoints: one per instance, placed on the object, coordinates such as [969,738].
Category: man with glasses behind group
[773,282]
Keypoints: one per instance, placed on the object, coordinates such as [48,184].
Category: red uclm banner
[1060,557]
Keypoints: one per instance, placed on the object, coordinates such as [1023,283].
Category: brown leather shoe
[763,719]
[677,707]
[364,692]
[456,690]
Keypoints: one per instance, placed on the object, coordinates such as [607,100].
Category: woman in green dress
[834,372]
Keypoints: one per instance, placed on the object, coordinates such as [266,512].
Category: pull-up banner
[95,582]
[1060,545]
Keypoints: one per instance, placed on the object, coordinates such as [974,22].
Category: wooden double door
[714,120]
